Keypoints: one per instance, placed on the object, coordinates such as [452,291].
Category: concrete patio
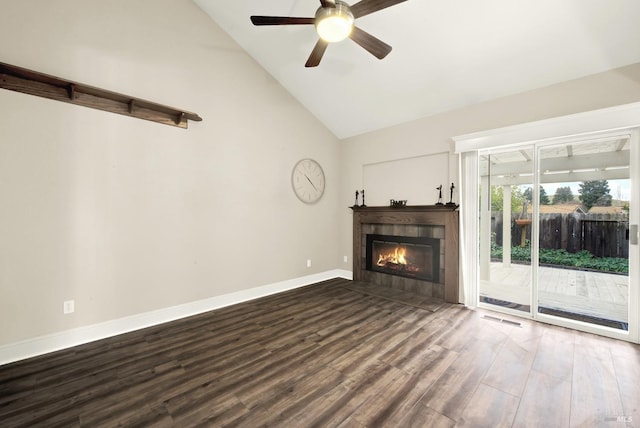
[594,294]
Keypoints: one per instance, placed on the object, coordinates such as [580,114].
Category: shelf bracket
[71,90]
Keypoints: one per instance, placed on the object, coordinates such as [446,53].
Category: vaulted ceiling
[446,54]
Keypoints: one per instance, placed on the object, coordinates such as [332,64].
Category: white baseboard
[346,274]
[78,336]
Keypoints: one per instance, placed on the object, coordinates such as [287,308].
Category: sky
[618,189]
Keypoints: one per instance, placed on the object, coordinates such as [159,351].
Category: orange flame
[396,257]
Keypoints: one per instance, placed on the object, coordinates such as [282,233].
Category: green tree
[594,192]
[563,194]
[544,198]
[497,197]
[604,201]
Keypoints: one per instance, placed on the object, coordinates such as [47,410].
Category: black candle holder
[451,203]
[439,189]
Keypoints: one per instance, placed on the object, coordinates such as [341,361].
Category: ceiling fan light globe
[334,28]
[334,23]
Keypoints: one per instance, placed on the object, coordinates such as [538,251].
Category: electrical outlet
[309,263]
[346,259]
[68,307]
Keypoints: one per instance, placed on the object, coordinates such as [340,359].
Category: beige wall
[126,216]
[420,148]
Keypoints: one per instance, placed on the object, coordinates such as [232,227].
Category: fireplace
[430,231]
[410,257]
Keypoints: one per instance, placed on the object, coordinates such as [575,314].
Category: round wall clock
[307,179]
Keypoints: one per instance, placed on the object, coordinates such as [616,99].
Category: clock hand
[314,186]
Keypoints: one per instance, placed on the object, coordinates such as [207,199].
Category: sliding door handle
[633,234]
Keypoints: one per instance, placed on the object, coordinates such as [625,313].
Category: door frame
[623,119]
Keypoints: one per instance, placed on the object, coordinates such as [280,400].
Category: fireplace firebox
[410,257]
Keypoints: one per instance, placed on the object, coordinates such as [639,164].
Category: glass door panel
[505,229]
[583,232]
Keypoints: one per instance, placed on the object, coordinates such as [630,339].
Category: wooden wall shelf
[43,85]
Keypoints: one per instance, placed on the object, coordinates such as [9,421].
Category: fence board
[603,235]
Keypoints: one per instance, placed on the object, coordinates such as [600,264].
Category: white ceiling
[446,53]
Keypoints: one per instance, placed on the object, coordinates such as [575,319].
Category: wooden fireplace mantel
[444,207]
[429,215]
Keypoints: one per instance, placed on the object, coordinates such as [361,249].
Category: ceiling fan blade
[328,3]
[316,53]
[376,47]
[280,20]
[365,7]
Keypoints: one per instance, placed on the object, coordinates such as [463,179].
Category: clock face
[307,180]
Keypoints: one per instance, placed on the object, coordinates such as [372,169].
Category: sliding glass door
[556,231]
[506,182]
[583,231]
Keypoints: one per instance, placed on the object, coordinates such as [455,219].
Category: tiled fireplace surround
[438,222]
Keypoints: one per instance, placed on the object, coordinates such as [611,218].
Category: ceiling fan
[334,22]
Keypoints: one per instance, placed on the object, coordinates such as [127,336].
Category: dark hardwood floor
[329,355]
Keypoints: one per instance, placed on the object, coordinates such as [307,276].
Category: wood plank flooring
[328,355]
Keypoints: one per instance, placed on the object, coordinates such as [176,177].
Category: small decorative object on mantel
[363,204]
[397,204]
[439,189]
[357,195]
[450,203]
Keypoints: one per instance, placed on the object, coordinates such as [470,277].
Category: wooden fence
[603,235]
